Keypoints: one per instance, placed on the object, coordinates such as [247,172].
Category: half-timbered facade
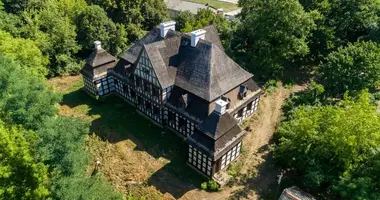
[183,82]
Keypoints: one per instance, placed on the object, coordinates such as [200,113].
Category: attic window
[184,100]
[242,91]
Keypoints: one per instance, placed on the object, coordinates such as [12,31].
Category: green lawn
[217,4]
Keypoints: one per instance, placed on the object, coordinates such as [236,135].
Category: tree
[21,176]
[136,15]
[93,24]
[364,183]
[18,6]
[54,30]
[61,145]
[84,187]
[354,67]
[341,22]
[324,143]
[25,51]
[268,38]
[24,98]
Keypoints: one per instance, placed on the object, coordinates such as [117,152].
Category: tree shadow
[114,120]
[264,181]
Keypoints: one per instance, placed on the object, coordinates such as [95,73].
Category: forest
[329,134]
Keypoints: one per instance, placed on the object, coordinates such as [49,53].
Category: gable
[145,69]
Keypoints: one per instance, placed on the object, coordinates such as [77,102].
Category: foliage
[24,98]
[354,67]
[93,24]
[25,51]
[364,183]
[61,145]
[268,40]
[341,22]
[271,86]
[313,95]
[84,187]
[22,176]
[211,185]
[136,15]
[327,144]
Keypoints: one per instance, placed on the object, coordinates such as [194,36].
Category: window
[182,123]
[171,116]
[155,92]
[240,113]
[133,94]
[138,82]
[146,86]
[148,105]
[156,111]
[139,100]
[249,106]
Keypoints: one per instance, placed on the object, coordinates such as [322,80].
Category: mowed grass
[217,4]
[136,156]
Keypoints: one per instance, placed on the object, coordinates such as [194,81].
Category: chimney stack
[196,36]
[220,106]
[166,26]
[98,45]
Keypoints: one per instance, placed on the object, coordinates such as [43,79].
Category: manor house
[186,83]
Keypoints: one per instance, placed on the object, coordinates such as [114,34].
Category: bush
[204,186]
[211,185]
[270,86]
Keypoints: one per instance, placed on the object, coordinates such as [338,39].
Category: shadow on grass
[115,120]
[264,181]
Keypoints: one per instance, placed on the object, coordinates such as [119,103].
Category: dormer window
[243,91]
[184,101]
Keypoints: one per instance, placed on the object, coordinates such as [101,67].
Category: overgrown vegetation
[43,155]
[211,185]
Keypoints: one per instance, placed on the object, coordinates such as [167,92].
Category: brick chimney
[166,26]
[196,36]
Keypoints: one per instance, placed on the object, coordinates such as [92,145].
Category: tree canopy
[354,68]
[21,175]
[329,144]
[268,38]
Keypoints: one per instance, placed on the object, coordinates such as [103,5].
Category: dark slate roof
[215,125]
[212,35]
[132,54]
[216,148]
[99,57]
[205,71]
[294,193]
[196,107]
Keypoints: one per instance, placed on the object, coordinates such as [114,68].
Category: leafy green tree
[136,15]
[84,187]
[93,24]
[21,176]
[55,33]
[24,98]
[341,22]
[61,145]
[325,143]
[364,183]
[18,6]
[268,39]
[354,67]
[25,51]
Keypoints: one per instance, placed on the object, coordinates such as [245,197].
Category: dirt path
[256,144]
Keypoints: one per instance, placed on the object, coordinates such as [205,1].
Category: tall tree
[324,143]
[341,22]
[93,24]
[268,38]
[25,51]
[354,67]
[24,98]
[21,175]
[136,15]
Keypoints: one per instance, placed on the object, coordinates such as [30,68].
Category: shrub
[204,186]
[270,86]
